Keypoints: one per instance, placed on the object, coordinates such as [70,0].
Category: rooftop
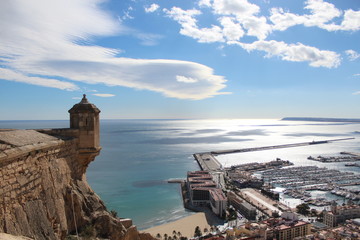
[217,194]
[281,224]
[84,106]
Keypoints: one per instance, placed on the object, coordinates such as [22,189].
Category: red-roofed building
[204,191]
[284,229]
[339,214]
[218,202]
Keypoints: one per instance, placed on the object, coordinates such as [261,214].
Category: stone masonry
[43,189]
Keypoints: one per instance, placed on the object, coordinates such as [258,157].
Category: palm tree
[197,232]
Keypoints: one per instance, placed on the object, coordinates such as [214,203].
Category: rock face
[4,236]
[43,189]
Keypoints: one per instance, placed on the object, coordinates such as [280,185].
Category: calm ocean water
[138,156]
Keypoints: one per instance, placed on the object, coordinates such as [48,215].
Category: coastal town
[241,202]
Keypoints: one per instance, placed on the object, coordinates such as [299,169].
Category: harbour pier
[276,146]
[208,162]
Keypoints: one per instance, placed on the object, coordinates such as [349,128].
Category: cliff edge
[43,189]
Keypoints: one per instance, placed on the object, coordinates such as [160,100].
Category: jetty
[208,162]
[276,146]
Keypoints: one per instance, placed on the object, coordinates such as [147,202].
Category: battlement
[43,189]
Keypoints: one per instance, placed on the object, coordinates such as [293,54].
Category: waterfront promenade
[265,204]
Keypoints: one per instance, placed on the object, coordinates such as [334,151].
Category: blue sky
[180,58]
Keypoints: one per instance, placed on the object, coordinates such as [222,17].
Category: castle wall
[32,183]
[44,196]
[43,189]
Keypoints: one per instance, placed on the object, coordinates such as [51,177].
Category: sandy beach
[186,226]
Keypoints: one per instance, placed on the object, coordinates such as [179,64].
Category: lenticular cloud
[40,44]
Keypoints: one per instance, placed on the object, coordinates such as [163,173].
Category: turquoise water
[138,156]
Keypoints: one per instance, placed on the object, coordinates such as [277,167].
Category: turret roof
[84,106]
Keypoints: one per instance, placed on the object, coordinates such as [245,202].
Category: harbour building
[218,202]
[286,229]
[339,214]
[242,206]
[204,191]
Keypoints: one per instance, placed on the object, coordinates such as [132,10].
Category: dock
[351,154]
[176,180]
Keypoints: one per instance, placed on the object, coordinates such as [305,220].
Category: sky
[180,59]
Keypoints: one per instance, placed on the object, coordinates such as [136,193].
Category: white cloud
[189,25]
[283,20]
[356,93]
[240,18]
[357,75]
[153,7]
[322,15]
[321,12]
[155,75]
[235,7]
[148,39]
[294,53]
[183,16]
[256,26]
[246,15]
[127,14]
[204,3]
[232,31]
[185,79]
[10,75]
[351,21]
[352,55]
[105,95]
[39,44]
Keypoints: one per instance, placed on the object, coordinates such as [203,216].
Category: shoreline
[186,226]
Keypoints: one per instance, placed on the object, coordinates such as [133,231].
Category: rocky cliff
[43,189]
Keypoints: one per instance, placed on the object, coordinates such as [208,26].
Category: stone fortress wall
[43,189]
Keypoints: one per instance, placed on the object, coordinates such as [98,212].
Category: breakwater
[276,146]
[207,161]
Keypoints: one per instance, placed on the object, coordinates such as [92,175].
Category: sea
[139,156]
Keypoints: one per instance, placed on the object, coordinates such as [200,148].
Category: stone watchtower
[84,117]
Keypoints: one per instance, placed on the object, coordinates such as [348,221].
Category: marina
[298,182]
